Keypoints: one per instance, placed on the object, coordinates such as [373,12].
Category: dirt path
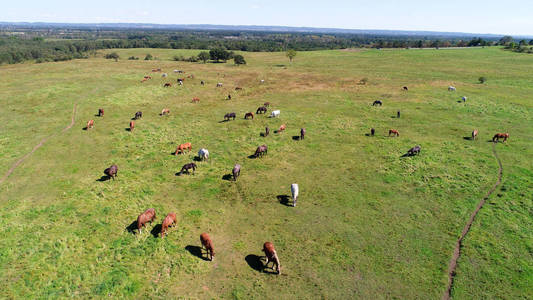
[16,164]
[466,229]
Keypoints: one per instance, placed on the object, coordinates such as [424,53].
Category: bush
[239,59]
[148,57]
[133,58]
[219,54]
[112,55]
[204,56]
[482,79]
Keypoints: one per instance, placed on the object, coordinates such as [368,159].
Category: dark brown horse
[138,115]
[414,150]
[187,167]
[147,216]
[372,131]
[100,112]
[377,102]
[261,150]
[261,110]
[267,131]
[499,136]
[208,245]
[302,133]
[111,171]
[405,88]
[169,220]
[249,115]
[229,116]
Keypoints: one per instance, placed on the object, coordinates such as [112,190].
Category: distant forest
[59,44]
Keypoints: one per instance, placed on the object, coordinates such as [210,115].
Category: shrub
[482,79]
[148,57]
[112,55]
[133,58]
[204,56]
[239,59]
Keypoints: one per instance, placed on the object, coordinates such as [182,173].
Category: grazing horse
[168,84]
[147,216]
[219,84]
[111,171]
[414,150]
[238,88]
[275,113]
[236,171]
[249,114]
[147,77]
[229,116]
[180,80]
[377,102]
[261,110]
[203,154]
[202,82]
[451,89]
[405,88]
[394,132]
[208,245]
[100,112]
[165,111]
[90,124]
[398,114]
[138,115]
[267,104]
[499,136]
[464,98]
[261,150]
[156,70]
[229,96]
[271,256]
[267,131]
[169,220]
[187,167]
[302,133]
[164,75]
[474,134]
[181,148]
[132,125]
[282,128]
[372,131]
[195,99]
[294,192]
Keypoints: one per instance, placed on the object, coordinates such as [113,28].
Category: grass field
[369,224]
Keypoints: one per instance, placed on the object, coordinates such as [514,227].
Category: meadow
[370,224]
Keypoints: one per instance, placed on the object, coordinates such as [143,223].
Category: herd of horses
[271,255]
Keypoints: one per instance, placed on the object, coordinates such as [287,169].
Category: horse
[499,136]
[187,167]
[208,245]
[147,77]
[195,99]
[271,256]
[398,114]
[267,131]
[236,171]
[111,171]
[90,124]
[294,192]
[249,114]
[229,116]
[219,84]
[464,98]
[405,88]
[282,128]
[164,75]
[275,113]
[202,82]
[266,104]
[156,70]
[414,150]
[261,110]
[394,132]
[132,125]
[451,89]
[100,112]
[377,102]
[372,131]
[229,96]
[169,220]
[302,133]
[165,111]
[262,81]
[238,88]
[261,150]
[168,84]
[180,80]
[182,147]
[203,154]
[138,115]
[147,216]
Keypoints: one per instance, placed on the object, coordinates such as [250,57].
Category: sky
[514,17]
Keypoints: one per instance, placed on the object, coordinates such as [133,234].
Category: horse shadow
[223,121]
[368,134]
[262,134]
[284,199]
[228,177]
[468,138]
[85,128]
[254,262]
[156,230]
[197,158]
[127,129]
[295,137]
[97,115]
[103,178]
[132,227]
[252,156]
[196,251]
[178,174]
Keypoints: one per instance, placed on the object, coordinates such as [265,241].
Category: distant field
[369,224]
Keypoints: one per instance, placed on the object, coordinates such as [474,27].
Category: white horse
[294,191]
[203,154]
[262,81]
[464,98]
[451,88]
[275,113]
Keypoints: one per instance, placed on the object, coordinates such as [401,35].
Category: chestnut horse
[249,114]
[182,147]
[90,124]
[132,125]
[169,220]
[100,112]
[165,111]
[394,132]
[168,84]
[499,136]
[208,245]
[147,216]
[267,104]
[474,134]
[195,99]
[271,256]
[282,128]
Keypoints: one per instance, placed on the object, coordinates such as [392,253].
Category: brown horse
[499,136]
[267,131]
[90,124]
[111,171]
[249,114]
[474,134]
[165,111]
[302,133]
[282,128]
[271,256]
[147,77]
[195,99]
[181,148]
[100,112]
[169,220]
[168,84]
[267,104]
[147,216]
[372,131]
[208,245]
[238,88]
[261,150]
[132,125]
[261,110]
[394,132]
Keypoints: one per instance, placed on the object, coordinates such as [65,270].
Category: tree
[506,40]
[148,57]
[112,55]
[219,54]
[204,56]
[531,43]
[482,79]
[239,59]
[291,53]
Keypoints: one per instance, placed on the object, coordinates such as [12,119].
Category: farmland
[369,223]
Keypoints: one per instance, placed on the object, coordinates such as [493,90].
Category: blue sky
[501,17]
